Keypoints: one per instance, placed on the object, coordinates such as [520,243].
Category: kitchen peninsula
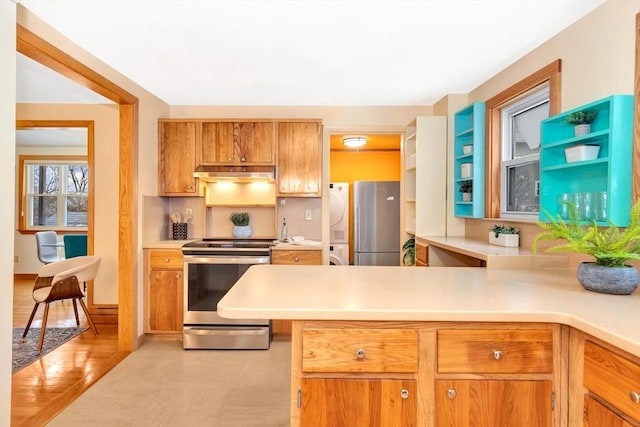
[421,342]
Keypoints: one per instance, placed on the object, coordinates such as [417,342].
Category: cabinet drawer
[165,258]
[613,378]
[495,351]
[422,255]
[296,257]
[355,350]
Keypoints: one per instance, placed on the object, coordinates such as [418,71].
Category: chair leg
[86,312]
[44,326]
[75,311]
[33,313]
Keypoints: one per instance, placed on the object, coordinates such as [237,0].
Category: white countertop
[166,244]
[433,294]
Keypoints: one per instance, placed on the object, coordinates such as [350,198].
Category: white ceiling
[304,52]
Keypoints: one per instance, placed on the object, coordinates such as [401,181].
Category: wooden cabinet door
[177,158]
[165,300]
[216,141]
[598,415]
[488,403]
[254,142]
[299,159]
[358,402]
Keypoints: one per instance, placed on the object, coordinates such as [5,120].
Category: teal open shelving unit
[610,172]
[469,131]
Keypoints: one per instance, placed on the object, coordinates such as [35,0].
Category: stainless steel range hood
[211,173]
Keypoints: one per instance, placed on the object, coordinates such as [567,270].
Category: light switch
[307,215]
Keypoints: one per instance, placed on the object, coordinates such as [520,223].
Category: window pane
[77,179]
[44,211]
[76,211]
[522,187]
[526,130]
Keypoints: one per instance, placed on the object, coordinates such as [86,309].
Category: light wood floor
[42,389]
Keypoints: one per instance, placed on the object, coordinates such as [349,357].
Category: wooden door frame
[38,49]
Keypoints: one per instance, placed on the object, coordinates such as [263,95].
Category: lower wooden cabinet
[357,402]
[427,374]
[295,257]
[422,254]
[491,403]
[605,386]
[598,415]
[163,291]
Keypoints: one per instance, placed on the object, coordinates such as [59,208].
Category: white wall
[7,189]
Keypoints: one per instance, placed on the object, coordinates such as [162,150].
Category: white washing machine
[338,254]
[339,212]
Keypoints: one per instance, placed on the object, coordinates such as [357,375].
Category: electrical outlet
[307,215]
[16,258]
[189,212]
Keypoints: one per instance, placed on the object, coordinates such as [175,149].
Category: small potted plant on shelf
[241,227]
[611,247]
[409,252]
[466,188]
[504,235]
[582,121]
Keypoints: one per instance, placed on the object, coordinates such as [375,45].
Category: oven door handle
[235,330]
[225,259]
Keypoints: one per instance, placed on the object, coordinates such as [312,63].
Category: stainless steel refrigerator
[376,222]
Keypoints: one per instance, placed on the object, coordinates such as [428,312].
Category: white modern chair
[47,244]
[61,280]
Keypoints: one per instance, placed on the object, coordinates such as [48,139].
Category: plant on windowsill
[582,121]
[504,235]
[466,188]
[241,227]
[611,247]
[409,252]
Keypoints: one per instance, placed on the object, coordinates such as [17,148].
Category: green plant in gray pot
[611,247]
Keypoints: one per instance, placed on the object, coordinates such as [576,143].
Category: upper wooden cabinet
[299,163]
[177,158]
[237,143]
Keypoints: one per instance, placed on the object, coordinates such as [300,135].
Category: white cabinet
[424,176]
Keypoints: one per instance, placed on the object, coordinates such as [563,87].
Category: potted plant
[504,235]
[611,247]
[241,227]
[409,252]
[582,121]
[466,188]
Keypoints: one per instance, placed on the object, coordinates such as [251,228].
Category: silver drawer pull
[451,393]
[404,393]
[166,260]
[497,354]
[296,259]
[360,353]
[634,396]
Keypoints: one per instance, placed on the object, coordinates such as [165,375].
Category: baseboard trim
[25,276]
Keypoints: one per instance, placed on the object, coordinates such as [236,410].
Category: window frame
[25,160]
[529,100]
[550,74]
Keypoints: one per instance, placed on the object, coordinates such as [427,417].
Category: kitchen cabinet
[434,373]
[605,179]
[237,143]
[292,256]
[424,176]
[516,365]
[163,290]
[299,165]
[598,415]
[468,163]
[177,153]
[422,253]
[330,398]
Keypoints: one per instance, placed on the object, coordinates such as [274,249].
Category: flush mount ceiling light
[354,141]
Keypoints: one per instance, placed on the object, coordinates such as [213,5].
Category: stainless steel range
[211,268]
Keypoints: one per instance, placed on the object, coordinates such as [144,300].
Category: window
[55,193]
[519,171]
[510,190]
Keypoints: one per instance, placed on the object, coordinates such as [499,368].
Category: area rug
[25,350]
